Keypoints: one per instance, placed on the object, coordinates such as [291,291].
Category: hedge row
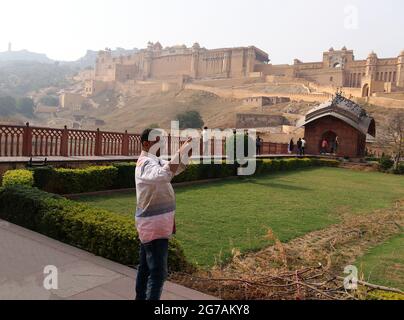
[98,231]
[269,166]
[97,178]
[122,175]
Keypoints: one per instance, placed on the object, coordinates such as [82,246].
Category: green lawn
[216,217]
[384,264]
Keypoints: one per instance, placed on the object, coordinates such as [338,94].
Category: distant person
[291,146]
[299,146]
[155,212]
[258,144]
[324,146]
[336,145]
[303,148]
[205,140]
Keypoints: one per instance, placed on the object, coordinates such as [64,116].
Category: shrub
[386,163]
[400,169]
[372,159]
[18,177]
[96,230]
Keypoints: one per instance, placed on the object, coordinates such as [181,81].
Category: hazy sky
[286,29]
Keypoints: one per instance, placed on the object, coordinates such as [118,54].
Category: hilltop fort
[338,68]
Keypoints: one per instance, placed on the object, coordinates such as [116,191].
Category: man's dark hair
[145,135]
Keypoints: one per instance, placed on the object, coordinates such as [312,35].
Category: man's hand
[177,158]
[186,148]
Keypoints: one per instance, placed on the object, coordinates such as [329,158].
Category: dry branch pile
[309,267]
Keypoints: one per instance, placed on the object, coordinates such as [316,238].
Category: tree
[25,106]
[154,125]
[393,137]
[7,105]
[190,119]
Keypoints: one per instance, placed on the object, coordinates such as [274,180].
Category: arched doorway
[365,90]
[330,137]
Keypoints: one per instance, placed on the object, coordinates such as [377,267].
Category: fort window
[331,79]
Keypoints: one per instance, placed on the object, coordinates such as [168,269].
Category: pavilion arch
[366,90]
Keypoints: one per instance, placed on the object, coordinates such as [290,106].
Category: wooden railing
[30,141]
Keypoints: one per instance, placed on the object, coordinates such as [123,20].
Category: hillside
[24,55]
[18,78]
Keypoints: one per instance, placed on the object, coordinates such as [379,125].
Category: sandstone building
[196,62]
[340,69]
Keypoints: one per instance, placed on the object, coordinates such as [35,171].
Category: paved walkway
[81,275]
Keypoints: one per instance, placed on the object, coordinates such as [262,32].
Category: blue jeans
[152,270]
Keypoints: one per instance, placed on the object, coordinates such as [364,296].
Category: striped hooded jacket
[155,196]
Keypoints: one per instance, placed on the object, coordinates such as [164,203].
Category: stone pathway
[24,255]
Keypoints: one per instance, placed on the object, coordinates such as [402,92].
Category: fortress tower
[400,70]
[371,65]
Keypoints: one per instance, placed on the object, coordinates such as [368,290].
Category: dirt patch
[307,267]
[365,167]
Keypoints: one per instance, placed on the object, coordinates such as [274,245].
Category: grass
[384,264]
[216,217]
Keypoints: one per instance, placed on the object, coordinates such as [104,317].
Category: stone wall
[242,93]
[71,101]
[250,120]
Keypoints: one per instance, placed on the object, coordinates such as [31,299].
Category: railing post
[98,143]
[169,145]
[27,141]
[125,144]
[64,142]
[201,151]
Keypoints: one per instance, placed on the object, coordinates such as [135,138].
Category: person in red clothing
[324,146]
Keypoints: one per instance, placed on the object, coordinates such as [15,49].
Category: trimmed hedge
[122,175]
[126,175]
[18,177]
[116,176]
[99,231]
[68,181]
[269,166]
[200,171]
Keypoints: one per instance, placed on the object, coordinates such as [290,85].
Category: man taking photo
[155,212]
